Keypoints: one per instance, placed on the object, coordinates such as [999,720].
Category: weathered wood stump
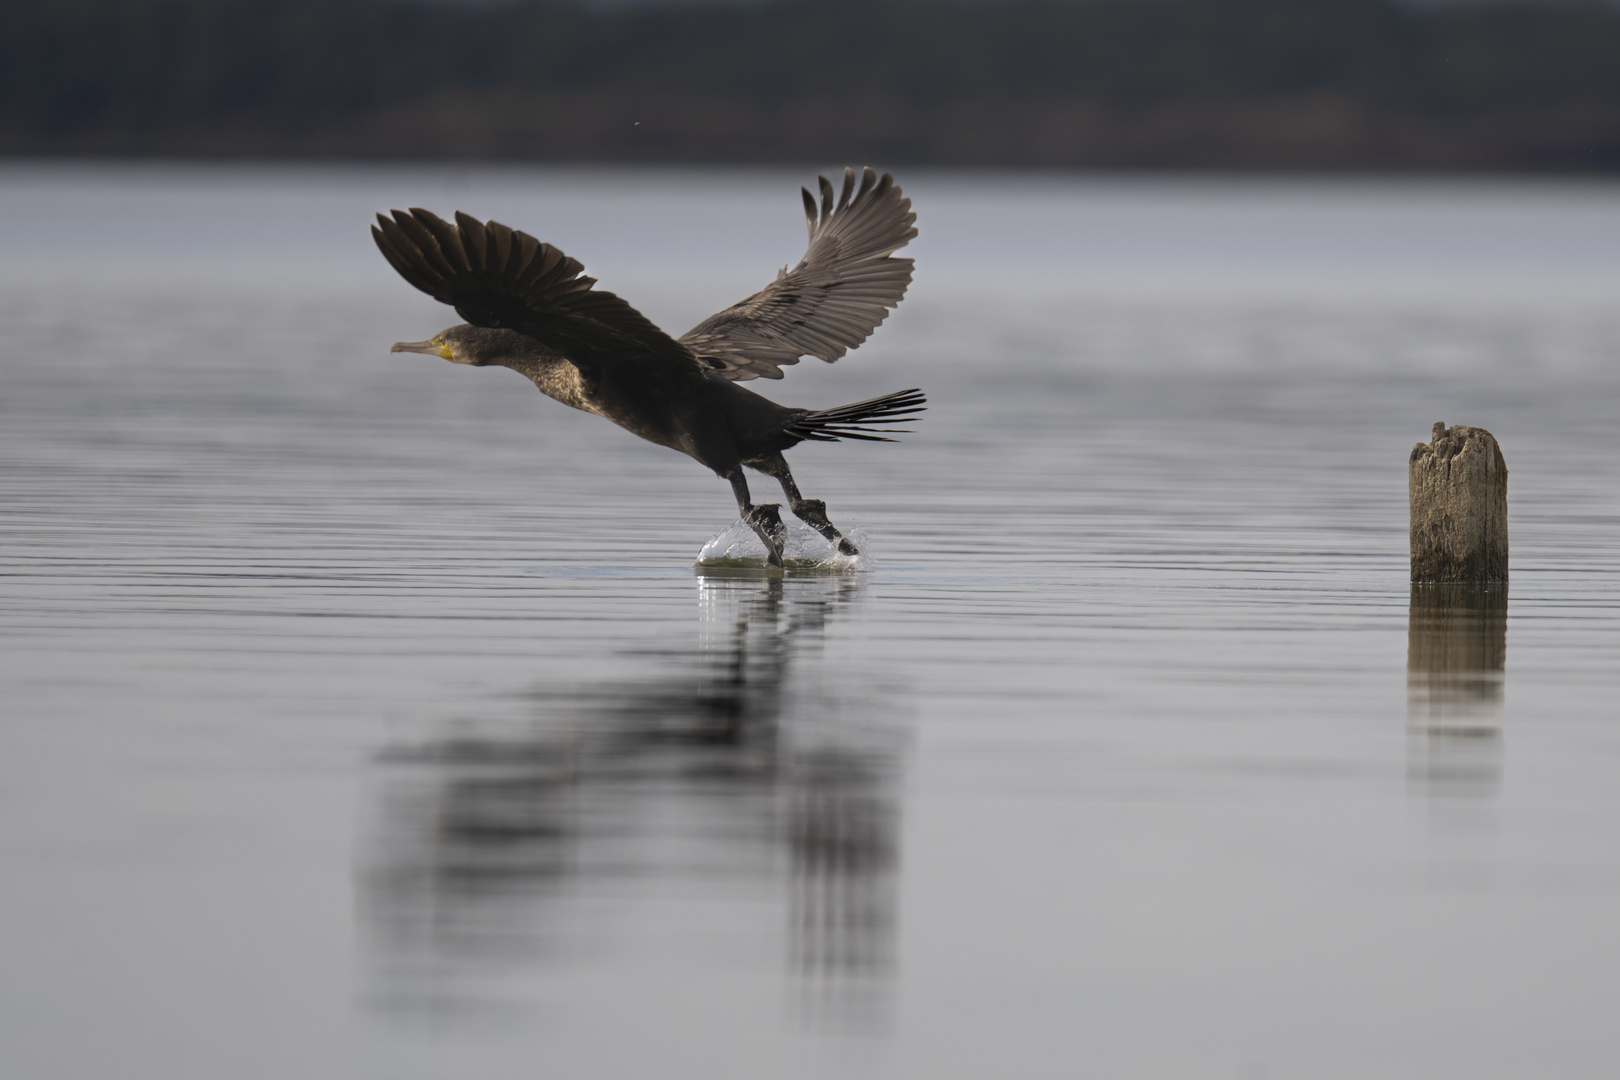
[1457,485]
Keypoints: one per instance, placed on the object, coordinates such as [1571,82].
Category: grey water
[366,715]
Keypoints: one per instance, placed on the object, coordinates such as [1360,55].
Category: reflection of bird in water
[713,774]
[530,308]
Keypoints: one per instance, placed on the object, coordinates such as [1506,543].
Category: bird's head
[468,344]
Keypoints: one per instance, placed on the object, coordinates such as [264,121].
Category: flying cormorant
[529,307]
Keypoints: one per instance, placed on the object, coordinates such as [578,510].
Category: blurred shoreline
[1284,86]
[1309,136]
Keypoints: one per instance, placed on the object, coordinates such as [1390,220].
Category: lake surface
[366,716]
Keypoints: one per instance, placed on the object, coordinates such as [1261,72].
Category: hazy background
[1212,84]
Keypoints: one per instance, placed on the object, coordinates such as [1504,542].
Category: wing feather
[841,291]
[474,241]
[448,240]
[503,247]
[398,260]
[498,277]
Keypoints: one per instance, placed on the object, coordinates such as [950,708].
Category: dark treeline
[1204,83]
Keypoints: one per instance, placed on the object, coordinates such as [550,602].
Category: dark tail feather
[853,421]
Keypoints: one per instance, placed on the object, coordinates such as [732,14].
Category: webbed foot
[766,520]
[813,512]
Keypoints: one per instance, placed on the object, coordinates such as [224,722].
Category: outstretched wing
[841,290]
[498,277]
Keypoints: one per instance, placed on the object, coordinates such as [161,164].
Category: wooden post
[1457,485]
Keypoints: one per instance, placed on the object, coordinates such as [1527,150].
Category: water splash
[737,547]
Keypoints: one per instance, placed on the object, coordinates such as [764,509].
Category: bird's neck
[556,378]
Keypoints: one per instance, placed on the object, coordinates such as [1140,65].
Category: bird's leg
[813,512]
[766,520]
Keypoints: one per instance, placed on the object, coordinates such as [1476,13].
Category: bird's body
[709,418]
[529,308]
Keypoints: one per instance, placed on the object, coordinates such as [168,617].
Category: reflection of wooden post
[1456,648]
[1453,629]
[1457,484]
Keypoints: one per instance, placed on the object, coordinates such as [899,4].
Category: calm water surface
[366,716]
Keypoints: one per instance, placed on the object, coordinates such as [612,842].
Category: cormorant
[529,307]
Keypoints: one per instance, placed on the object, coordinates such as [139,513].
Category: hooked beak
[422,347]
